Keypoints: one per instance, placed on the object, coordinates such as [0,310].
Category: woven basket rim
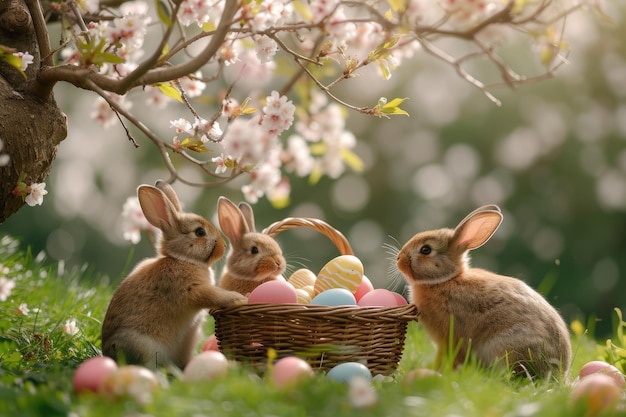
[406,312]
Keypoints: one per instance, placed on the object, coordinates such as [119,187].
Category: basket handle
[320,226]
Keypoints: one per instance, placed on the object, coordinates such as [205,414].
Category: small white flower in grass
[362,393]
[6,286]
[70,327]
[23,309]
[36,193]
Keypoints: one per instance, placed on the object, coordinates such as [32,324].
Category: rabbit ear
[170,193]
[476,229]
[246,210]
[231,219]
[157,208]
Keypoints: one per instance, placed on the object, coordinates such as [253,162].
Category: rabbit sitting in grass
[498,318]
[155,316]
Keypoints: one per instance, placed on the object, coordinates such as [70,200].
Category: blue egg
[334,297]
[344,372]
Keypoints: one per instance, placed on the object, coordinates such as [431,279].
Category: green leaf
[170,91]
[316,175]
[392,107]
[397,5]
[14,61]
[193,144]
[304,10]
[163,12]
[352,160]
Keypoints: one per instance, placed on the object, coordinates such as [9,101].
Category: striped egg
[309,288]
[345,271]
[301,278]
[303,296]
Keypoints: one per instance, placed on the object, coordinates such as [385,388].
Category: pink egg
[273,292]
[598,392]
[289,371]
[379,297]
[206,366]
[210,343]
[400,300]
[365,287]
[91,372]
[594,367]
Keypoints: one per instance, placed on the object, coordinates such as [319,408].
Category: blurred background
[553,156]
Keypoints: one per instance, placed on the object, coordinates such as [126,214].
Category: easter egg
[310,289]
[598,393]
[304,297]
[302,278]
[206,366]
[345,271]
[379,297]
[289,371]
[91,372]
[400,300]
[344,372]
[334,297]
[210,343]
[274,291]
[365,287]
[131,381]
[593,367]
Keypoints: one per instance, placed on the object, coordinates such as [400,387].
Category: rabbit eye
[425,250]
[254,250]
[200,232]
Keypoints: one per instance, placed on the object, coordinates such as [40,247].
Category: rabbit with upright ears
[156,314]
[254,258]
[496,318]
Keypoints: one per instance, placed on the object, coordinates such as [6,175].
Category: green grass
[38,358]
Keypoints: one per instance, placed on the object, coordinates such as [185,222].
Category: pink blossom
[133,221]
[25,58]
[265,47]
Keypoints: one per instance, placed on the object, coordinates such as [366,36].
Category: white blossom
[35,196]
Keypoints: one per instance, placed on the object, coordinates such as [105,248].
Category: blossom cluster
[301,130]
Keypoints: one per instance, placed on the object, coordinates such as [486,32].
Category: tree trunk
[31,126]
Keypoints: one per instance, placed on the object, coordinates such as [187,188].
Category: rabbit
[254,258]
[496,318]
[156,314]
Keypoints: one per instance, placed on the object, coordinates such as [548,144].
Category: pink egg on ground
[275,291]
[601,367]
[206,366]
[289,371]
[379,297]
[598,393]
[365,287]
[89,374]
[210,343]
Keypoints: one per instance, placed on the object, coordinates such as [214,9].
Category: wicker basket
[324,336]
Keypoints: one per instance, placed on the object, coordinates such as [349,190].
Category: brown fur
[156,314]
[246,270]
[500,319]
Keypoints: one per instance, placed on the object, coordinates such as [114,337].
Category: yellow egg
[310,289]
[302,278]
[303,296]
[345,271]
